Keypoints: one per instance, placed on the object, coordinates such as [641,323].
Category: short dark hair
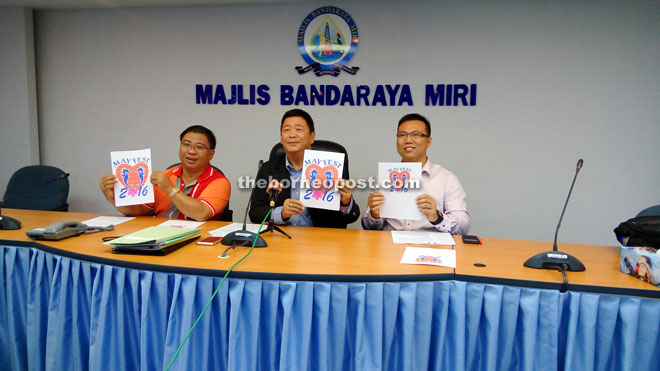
[296,112]
[416,117]
[200,130]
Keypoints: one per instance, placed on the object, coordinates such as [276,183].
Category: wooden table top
[346,255]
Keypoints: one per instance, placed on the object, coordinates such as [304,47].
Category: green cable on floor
[176,354]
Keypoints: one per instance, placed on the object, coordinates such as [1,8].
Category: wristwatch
[174,191]
[440,219]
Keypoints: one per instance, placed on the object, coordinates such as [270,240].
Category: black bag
[639,231]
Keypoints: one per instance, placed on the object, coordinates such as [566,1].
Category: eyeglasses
[414,135]
[198,147]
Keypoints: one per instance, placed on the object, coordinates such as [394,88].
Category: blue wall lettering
[449,95]
[286,95]
[240,95]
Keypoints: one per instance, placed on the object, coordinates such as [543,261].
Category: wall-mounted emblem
[327,40]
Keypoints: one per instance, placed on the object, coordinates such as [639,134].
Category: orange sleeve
[161,200]
[216,195]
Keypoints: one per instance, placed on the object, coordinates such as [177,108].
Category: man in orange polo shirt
[191,190]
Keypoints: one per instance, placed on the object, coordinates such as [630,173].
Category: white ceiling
[90,4]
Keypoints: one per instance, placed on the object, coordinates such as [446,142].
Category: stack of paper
[182,223]
[106,221]
[422,238]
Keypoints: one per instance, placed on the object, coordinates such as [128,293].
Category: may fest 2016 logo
[327,40]
[321,181]
[132,178]
[399,180]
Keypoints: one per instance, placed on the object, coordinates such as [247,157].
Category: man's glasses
[198,147]
[414,135]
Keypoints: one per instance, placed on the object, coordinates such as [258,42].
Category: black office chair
[318,145]
[227,214]
[650,211]
[45,188]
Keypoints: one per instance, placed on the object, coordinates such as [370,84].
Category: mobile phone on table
[210,240]
[468,238]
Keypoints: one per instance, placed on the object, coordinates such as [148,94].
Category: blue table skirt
[58,313]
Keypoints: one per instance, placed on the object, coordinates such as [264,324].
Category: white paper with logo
[321,170]
[400,182]
[133,172]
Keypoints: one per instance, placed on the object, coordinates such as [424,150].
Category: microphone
[243,237]
[556,259]
[7,223]
[271,199]
[271,223]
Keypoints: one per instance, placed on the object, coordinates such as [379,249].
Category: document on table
[182,223]
[422,238]
[104,221]
[223,231]
[429,256]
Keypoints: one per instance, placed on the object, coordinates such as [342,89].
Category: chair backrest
[319,145]
[227,214]
[49,193]
[650,211]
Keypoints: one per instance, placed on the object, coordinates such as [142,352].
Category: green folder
[156,235]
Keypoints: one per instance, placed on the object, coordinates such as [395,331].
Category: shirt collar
[427,167]
[178,171]
[291,169]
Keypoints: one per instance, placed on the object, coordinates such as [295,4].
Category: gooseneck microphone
[557,260]
[243,237]
[7,223]
[577,170]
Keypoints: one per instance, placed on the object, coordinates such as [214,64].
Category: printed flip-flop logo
[321,179]
[132,177]
[399,180]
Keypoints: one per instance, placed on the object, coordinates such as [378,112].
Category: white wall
[557,81]
[19,140]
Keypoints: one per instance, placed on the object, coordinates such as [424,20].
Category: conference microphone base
[555,260]
[8,224]
[243,238]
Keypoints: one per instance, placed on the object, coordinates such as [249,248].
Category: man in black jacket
[285,176]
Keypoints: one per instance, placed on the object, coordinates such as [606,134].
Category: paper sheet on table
[133,172]
[182,223]
[223,231]
[429,256]
[321,170]
[401,184]
[104,221]
[422,238]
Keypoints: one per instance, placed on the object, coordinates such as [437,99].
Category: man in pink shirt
[442,201]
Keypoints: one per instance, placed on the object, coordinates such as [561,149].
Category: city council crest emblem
[327,40]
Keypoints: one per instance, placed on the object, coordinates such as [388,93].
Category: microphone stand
[557,260]
[8,223]
[271,221]
[243,237]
